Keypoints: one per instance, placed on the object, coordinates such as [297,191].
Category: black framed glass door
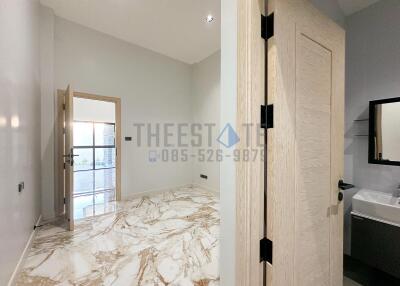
[94,167]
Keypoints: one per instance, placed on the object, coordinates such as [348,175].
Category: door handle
[69,158]
[343,186]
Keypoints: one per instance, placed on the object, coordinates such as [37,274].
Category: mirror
[384,132]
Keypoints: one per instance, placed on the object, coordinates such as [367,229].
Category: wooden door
[69,157]
[305,147]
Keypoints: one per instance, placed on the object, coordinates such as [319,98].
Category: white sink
[376,205]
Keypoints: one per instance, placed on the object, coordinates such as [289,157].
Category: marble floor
[170,238]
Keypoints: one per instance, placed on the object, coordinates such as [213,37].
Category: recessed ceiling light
[209,18]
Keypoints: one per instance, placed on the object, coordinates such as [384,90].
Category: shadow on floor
[366,275]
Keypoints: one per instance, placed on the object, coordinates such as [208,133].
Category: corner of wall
[47,18]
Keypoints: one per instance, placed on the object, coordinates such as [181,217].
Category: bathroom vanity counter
[378,206]
[375,230]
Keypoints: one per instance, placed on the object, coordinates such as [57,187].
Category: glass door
[94,172]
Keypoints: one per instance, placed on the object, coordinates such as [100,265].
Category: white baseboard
[24,254]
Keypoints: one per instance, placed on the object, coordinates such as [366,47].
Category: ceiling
[352,6]
[175,28]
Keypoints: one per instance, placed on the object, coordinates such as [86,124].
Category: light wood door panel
[305,147]
[313,159]
[69,157]
[250,173]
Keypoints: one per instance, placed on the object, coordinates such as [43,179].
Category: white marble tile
[170,238]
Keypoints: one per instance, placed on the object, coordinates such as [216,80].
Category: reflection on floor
[170,238]
[360,274]
[348,282]
[91,205]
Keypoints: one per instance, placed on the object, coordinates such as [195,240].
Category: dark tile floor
[365,275]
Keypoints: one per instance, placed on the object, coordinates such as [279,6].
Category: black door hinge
[65,201]
[267,116]
[266,250]
[63,106]
[64,166]
[267,26]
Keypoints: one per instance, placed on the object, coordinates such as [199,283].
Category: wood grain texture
[270,145]
[59,159]
[69,146]
[305,148]
[313,162]
[249,173]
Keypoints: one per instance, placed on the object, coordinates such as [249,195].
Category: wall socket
[203,176]
[21,187]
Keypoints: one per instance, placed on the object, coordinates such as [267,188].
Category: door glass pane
[83,206]
[105,158]
[84,160]
[83,182]
[104,202]
[104,134]
[105,179]
[105,197]
[83,134]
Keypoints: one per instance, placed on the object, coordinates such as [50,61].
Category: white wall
[48,105]
[94,110]
[206,110]
[19,129]
[372,72]
[152,88]
[229,10]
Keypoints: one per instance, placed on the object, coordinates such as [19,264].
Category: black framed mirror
[384,132]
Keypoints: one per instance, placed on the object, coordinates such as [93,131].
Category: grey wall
[48,104]
[332,9]
[19,129]
[372,72]
[206,94]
